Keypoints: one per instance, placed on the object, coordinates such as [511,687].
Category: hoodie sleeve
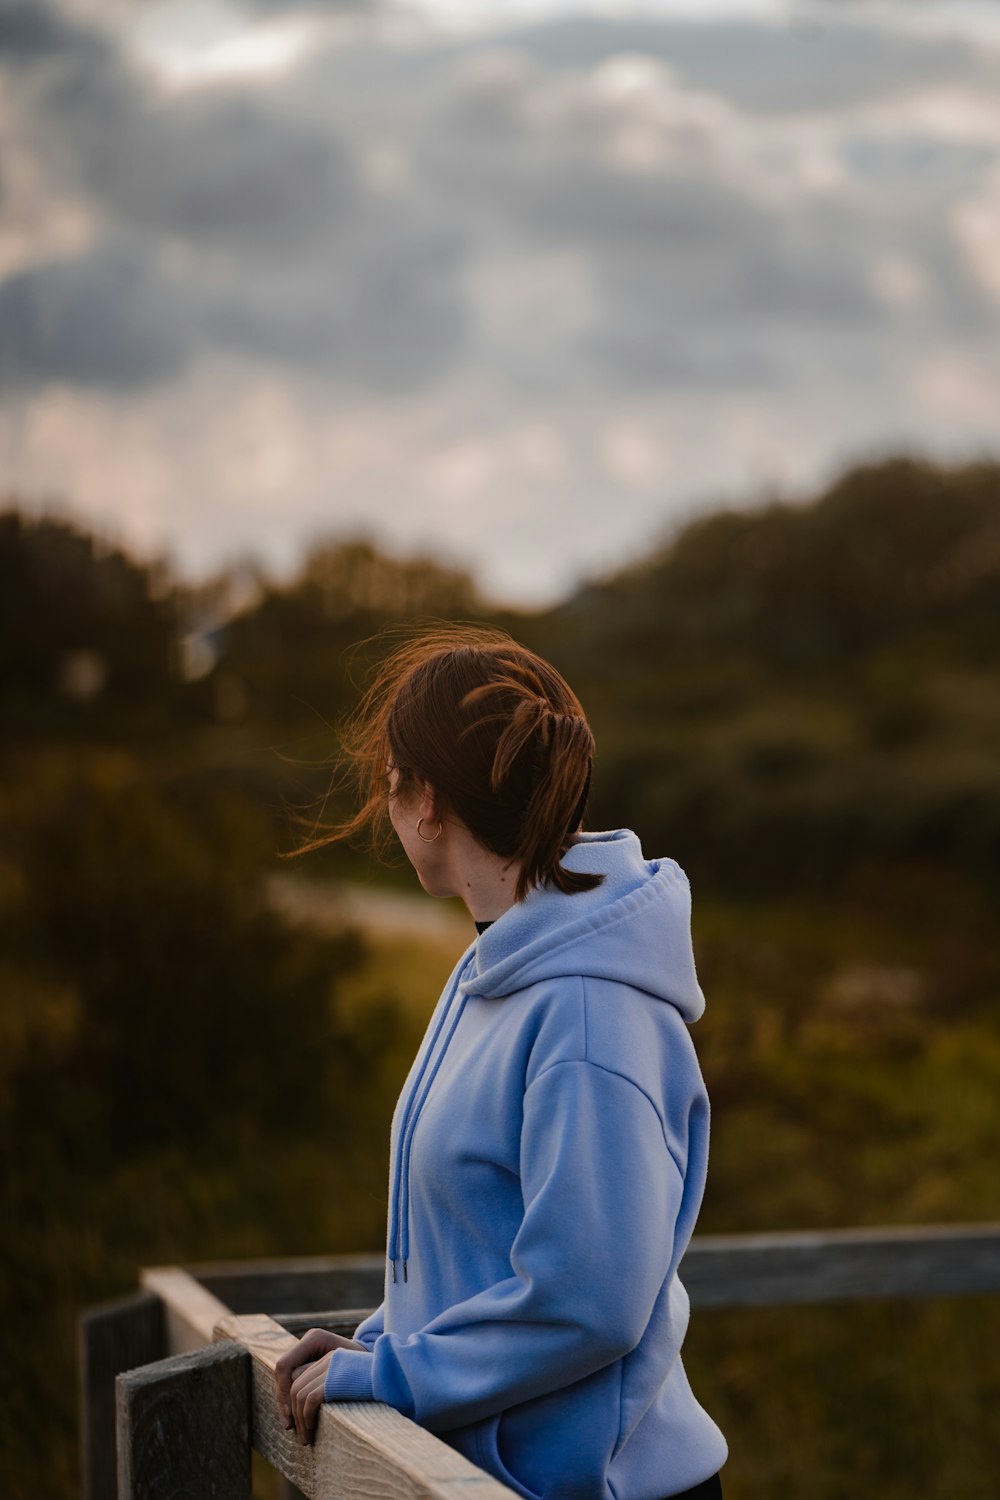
[601,1197]
[371,1327]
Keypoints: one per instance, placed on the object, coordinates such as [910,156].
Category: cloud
[323,7]
[721,251]
[765,67]
[104,318]
[227,172]
[977,229]
[202,168]
[30,31]
[232,221]
[392,323]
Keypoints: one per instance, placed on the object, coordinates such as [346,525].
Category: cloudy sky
[519,284]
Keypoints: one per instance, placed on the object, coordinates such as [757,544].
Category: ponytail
[560,746]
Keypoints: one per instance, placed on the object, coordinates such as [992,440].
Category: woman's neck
[488,894]
[483,880]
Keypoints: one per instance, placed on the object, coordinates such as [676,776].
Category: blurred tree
[890,549]
[789,695]
[815,683]
[79,623]
[352,578]
[297,652]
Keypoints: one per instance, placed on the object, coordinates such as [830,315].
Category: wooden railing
[178,1385]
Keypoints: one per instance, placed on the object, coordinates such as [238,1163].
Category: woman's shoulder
[613,1025]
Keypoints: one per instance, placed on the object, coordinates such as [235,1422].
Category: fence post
[112,1337]
[183,1426]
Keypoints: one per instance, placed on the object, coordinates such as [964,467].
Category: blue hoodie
[548,1159]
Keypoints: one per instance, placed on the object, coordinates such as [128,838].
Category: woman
[550,1145]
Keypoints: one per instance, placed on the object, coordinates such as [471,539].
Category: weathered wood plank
[362,1450]
[183,1427]
[338,1320]
[834,1265]
[719,1271]
[294,1286]
[113,1337]
[191,1311]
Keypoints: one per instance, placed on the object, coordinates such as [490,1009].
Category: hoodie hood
[635,927]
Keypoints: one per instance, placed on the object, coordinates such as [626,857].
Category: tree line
[813,681]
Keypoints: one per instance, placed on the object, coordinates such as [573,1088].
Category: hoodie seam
[621,1417]
[569,1062]
[586,1033]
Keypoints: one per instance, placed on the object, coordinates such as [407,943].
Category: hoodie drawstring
[407,1144]
[414,1104]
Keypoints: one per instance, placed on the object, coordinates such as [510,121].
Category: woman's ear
[429,802]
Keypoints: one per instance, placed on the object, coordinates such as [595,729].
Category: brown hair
[496,731]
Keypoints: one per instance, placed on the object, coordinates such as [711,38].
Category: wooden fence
[178,1386]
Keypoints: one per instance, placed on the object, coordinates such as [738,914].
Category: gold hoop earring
[421,836]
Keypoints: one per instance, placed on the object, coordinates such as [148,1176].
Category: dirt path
[327,906]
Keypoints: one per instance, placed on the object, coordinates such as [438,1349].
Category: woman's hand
[301,1376]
